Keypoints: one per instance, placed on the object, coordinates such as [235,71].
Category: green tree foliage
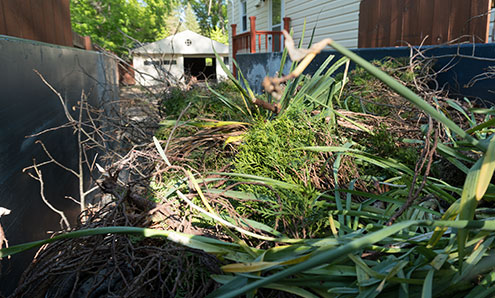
[182,18]
[173,22]
[212,15]
[218,35]
[117,25]
[190,20]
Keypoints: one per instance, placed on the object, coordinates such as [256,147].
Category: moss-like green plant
[268,150]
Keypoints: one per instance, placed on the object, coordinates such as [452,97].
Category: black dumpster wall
[463,63]
[28,106]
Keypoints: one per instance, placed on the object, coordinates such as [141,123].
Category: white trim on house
[275,27]
[491,33]
[270,15]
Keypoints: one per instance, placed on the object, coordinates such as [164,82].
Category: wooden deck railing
[254,41]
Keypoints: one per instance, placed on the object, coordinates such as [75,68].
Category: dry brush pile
[326,186]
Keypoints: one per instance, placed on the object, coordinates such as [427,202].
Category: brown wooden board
[410,22]
[49,24]
[39,20]
[11,18]
[57,21]
[383,39]
[425,21]
[458,20]
[375,22]
[42,20]
[441,21]
[26,20]
[389,22]
[364,24]
[479,23]
[3,28]
[396,8]
[66,24]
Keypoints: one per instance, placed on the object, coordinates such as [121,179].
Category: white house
[340,18]
[179,55]
[336,18]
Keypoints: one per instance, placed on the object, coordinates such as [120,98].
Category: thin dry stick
[39,178]
[426,156]
[83,137]
[3,239]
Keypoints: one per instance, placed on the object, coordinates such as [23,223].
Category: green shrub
[268,150]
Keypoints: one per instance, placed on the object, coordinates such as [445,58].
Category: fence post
[287,24]
[286,28]
[252,21]
[234,48]
[87,43]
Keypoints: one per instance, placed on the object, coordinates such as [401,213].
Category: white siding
[337,19]
[234,16]
[149,74]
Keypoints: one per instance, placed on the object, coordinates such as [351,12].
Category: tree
[173,21]
[190,20]
[210,14]
[218,35]
[118,25]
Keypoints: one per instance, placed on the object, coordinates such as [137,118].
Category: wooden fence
[41,20]
[384,23]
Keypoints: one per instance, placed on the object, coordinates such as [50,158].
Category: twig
[39,178]
[426,156]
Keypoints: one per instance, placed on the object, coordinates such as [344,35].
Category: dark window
[243,16]
[226,60]
[160,62]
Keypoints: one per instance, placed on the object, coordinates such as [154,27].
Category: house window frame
[243,16]
[281,24]
[270,15]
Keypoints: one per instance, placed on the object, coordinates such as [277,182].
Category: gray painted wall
[463,62]
[28,106]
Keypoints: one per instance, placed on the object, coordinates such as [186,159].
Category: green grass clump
[368,94]
[268,147]
[203,103]
[269,150]
[384,144]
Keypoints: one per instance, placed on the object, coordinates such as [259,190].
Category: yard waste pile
[363,183]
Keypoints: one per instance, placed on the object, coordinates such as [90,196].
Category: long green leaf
[428,285]
[468,205]
[198,242]
[269,181]
[486,171]
[355,245]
